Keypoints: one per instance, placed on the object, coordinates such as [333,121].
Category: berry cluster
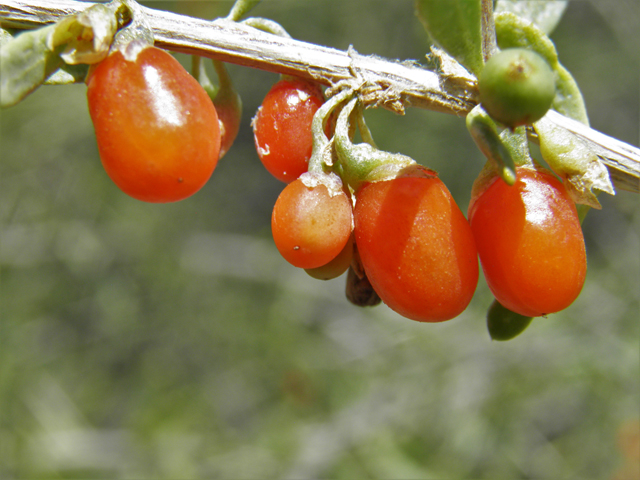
[391,223]
[397,226]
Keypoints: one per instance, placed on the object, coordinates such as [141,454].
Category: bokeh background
[172,341]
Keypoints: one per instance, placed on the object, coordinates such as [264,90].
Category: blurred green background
[172,341]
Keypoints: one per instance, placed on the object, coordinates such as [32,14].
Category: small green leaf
[518,145]
[579,167]
[568,100]
[456,27]
[25,63]
[544,14]
[515,32]
[485,134]
[503,324]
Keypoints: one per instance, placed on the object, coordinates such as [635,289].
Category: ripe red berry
[157,129]
[335,267]
[311,223]
[282,127]
[416,247]
[530,242]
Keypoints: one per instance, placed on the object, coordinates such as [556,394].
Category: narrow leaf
[545,15]
[456,27]
[574,162]
[503,324]
[25,63]
[485,134]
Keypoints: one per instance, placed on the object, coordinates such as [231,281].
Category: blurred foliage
[172,341]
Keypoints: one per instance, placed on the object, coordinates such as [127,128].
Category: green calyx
[503,324]
[362,163]
[87,36]
[137,35]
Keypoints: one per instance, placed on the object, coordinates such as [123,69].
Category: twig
[390,84]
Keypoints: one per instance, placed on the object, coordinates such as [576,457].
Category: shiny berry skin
[517,87]
[530,242]
[311,224]
[416,247]
[157,129]
[282,127]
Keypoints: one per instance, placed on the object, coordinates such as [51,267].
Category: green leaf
[25,63]
[544,14]
[573,161]
[456,27]
[515,32]
[485,134]
[5,36]
[568,100]
[503,324]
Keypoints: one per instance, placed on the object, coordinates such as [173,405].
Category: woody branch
[382,82]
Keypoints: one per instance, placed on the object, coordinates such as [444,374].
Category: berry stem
[360,163]
[240,8]
[320,154]
[266,25]
[365,133]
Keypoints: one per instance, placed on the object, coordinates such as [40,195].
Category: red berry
[335,267]
[282,127]
[157,129]
[416,247]
[311,224]
[530,242]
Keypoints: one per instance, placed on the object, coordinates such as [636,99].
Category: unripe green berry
[517,87]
